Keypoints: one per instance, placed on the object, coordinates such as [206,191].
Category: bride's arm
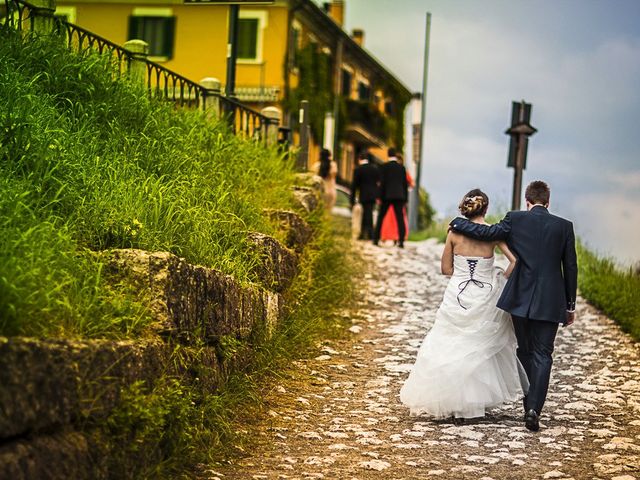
[446,262]
[510,256]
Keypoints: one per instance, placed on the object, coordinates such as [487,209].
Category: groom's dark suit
[394,189]
[541,288]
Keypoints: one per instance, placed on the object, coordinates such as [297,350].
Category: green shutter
[135,28]
[169,38]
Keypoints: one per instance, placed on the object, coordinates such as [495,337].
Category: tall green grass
[610,288]
[88,163]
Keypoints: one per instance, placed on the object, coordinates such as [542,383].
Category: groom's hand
[571,316]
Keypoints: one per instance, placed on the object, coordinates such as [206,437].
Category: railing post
[303,154]
[137,66]
[43,16]
[274,114]
[210,102]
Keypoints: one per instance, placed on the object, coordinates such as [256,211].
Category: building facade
[289,51]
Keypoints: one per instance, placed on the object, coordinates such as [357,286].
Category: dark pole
[413,212]
[520,131]
[517,173]
[232,51]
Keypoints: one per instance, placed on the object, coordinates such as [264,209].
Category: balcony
[368,124]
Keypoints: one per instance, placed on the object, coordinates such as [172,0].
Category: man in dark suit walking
[541,292]
[393,193]
[365,183]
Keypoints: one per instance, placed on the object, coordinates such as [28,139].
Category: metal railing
[160,81]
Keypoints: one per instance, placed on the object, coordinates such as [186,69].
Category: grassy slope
[88,164]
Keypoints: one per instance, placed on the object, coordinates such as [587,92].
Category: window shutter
[169,38]
[135,28]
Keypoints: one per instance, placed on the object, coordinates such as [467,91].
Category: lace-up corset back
[472,271]
[477,267]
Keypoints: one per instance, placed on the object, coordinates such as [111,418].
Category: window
[364,92]
[251,25]
[346,83]
[157,28]
[248,38]
[389,108]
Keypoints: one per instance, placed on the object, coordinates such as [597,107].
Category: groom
[541,292]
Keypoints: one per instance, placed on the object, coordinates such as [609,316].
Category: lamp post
[520,131]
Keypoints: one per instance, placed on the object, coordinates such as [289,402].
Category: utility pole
[413,212]
[232,51]
[520,131]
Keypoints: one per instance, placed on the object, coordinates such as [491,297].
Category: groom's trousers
[535,348]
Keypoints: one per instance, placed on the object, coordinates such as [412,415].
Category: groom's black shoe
[532,420]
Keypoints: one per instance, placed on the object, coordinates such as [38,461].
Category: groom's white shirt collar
[546,207]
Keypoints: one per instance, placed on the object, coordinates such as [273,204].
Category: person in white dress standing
[328,170]
[467,363]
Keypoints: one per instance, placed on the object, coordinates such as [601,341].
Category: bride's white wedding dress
[467,363]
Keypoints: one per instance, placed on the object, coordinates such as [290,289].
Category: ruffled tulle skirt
[467,363]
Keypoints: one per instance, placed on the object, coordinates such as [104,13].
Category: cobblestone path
[338,416]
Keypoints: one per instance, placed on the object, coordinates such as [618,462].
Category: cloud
[455,164]
[577,62]
[614,224]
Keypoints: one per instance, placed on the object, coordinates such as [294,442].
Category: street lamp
[520,131]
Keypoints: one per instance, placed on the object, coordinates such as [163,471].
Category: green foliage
[437,230]
[611,289]
[425,211]
[154,432]
[314,85]
[89,163]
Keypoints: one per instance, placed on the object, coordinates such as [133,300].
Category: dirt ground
[338,416]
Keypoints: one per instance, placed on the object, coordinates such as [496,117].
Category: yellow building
[288,51]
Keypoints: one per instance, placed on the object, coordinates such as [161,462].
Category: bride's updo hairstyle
[474,203]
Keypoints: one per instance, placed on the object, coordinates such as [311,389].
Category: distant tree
[425,211]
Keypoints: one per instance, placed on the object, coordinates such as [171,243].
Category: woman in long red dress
[389,230]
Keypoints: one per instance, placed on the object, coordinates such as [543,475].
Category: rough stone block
[298,231]
[52,383]
[279,265]
[189,298]
[311,180]
[50,457]
[306,198]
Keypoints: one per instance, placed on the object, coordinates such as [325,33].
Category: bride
[467,363]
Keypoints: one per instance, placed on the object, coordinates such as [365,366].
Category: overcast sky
[576,61]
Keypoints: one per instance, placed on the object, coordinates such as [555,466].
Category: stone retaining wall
[50,388]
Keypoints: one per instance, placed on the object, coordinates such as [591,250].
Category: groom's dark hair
[537,192]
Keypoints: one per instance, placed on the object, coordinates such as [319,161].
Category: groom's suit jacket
[394,186]
[365,180]
[544,282]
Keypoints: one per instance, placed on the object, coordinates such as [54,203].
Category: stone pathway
[338,416]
